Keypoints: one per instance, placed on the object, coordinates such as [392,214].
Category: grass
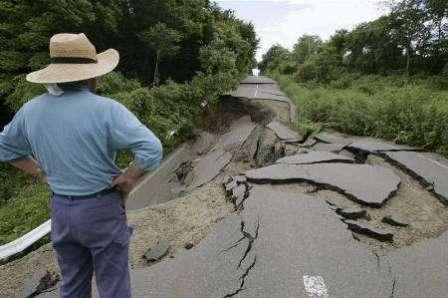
[25,211]
[395,108]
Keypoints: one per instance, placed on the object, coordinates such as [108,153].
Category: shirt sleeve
[127,132]
[13,141]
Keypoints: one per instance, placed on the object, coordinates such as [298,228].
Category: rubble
[158,252]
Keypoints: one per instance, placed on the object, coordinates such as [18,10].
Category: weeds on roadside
[405,110]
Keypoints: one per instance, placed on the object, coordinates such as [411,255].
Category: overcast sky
[283,21]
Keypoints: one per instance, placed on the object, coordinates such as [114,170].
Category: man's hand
[125,184]
[126,181]
[30,166]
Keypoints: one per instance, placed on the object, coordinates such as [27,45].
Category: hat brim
[64,72]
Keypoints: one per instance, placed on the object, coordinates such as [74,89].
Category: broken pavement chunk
[376,146]
[352,213]
[431,169]
[157,252]
[361,228]
[331,138]
[210,166]
[395,220]
[315,157]
[284,133]
[41,283]
[336,148]
[366,184]
[238,133]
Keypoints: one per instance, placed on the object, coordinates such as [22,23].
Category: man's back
[75,137]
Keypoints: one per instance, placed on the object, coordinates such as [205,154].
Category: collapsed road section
[251,208]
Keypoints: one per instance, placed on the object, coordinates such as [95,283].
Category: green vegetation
[385,107]
[28,209]
[387,78]
[177,58]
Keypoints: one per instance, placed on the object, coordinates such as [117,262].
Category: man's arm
[15,148]
[127,132]
[31,167]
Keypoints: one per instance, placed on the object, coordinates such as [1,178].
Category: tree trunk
[156,80]
[408,59]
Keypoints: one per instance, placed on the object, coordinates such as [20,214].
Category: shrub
[397,108]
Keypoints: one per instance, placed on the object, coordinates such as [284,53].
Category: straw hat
[74,58]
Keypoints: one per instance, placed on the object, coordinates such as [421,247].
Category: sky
[284,21]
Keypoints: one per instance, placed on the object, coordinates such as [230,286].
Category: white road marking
[256,91]
[315,286]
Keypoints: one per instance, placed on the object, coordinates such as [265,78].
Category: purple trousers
[91,235]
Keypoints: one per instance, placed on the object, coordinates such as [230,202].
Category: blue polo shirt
[75,138]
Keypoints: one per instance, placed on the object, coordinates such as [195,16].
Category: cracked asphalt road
[286,239]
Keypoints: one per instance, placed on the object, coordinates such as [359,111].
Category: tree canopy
[411,39]
[170,34]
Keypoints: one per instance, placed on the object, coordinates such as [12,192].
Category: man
[73,136]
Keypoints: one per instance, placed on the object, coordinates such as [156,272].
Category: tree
[178,30]
[164,41]
[305,47]
[273,57]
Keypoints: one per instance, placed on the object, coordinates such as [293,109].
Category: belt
[97,194]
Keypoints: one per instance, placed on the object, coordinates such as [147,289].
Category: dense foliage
[387,78]
[177,58]
[408,111]
[412,39]
[167,33]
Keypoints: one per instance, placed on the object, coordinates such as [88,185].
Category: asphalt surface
[365,184]
[283,243]
[281,251]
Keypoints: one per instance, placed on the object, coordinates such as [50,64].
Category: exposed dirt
[183,221]
[280,109]
[219,119]
[427,216]
[13,275]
